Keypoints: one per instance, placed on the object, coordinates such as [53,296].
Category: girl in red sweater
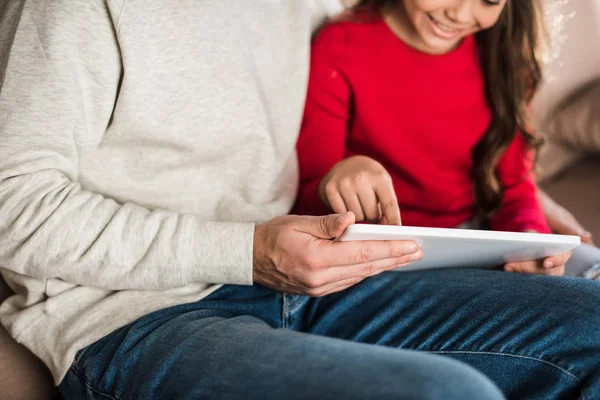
[421,106]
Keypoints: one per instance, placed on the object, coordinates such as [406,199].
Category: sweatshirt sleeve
[520,210]
[59,84]
[322,141]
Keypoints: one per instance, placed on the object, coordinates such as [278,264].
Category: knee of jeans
[455,380]
[434,377]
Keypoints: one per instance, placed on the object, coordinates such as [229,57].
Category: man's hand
[295,254]
[363,186]
[561,221]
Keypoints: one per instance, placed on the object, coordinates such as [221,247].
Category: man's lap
[503,324]
[519,330]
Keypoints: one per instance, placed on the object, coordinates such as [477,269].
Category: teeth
[442,26]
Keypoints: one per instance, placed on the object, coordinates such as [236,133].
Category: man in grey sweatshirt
[147,158]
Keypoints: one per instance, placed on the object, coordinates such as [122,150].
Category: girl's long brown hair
[512,70]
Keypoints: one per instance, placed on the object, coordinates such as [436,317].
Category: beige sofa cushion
[554,158]
[571,133]
[574,60]
[565,108]
[576,122]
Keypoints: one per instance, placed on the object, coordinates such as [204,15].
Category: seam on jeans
[290,302]
[491,353]
[90,386]
[283,301]
[283,311]
[296,306]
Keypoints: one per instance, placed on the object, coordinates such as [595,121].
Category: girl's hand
[554,265]
[363,186]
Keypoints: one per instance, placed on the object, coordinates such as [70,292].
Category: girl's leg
[585,262]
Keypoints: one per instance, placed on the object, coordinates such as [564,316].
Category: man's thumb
[331,226]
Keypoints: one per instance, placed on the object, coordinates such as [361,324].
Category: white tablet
[445,248]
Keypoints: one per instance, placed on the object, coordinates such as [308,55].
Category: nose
[461,13]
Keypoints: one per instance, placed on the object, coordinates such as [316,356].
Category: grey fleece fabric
[140,141]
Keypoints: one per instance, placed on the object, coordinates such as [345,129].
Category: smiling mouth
[444,28]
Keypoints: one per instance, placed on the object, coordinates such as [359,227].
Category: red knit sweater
[418,114]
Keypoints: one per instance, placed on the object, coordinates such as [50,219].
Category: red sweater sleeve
[322,139]
[520,208]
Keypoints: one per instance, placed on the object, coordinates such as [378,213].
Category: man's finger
[327,226]
[369,269]
[339,276]
[332,288]
[335,254]
[344,277]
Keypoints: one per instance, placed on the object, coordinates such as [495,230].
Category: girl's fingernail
[548,264]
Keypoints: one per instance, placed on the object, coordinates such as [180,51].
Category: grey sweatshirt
[140,140]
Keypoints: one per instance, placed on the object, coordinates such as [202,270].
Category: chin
[440,46]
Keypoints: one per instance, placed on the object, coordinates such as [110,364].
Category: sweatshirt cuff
[221,253]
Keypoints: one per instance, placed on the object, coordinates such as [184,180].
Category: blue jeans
[585,262]
[410,335]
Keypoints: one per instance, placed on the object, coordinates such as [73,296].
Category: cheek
[488,19]
[429,6]
[418,8]
[414,12]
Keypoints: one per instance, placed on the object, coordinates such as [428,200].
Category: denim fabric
[399,335]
